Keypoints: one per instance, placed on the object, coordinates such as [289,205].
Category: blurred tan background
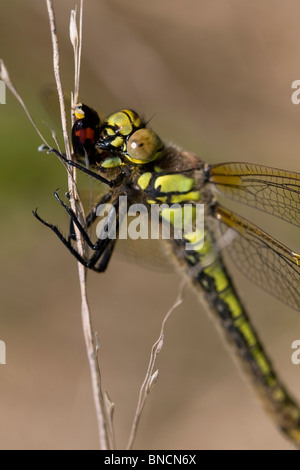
[216,77]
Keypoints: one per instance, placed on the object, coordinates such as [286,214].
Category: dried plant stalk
[103,417]
[4,76]
[151,377]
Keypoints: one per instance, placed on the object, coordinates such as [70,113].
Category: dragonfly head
[124,132]
[121,139]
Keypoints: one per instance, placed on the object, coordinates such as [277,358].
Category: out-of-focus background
[215,77]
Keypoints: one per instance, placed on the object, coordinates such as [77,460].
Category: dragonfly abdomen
[212,281]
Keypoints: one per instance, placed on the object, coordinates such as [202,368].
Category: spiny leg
[110,183]
[103,248]
[61,237]
[91,217]
[75,221]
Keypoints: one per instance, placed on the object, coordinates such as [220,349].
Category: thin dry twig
[101,410]
[4,76]
[151,377]
[76,40]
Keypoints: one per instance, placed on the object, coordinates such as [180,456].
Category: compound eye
[143,146]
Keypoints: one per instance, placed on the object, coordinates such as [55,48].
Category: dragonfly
[129,159]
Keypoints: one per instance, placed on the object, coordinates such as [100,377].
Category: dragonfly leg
[104,246]
[110,183]
[72,235]
[91,217]
[61,237]
[74,221]
[104,253]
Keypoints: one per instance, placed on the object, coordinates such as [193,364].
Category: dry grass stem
[4,76]
[101,410]
[151,377]
[76,40]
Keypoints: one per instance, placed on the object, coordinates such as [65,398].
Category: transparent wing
[150,254]
[262,259]
[274,191]
[49,100]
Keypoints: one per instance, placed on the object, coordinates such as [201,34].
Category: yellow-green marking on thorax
[174,183]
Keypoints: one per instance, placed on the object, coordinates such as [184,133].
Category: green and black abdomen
[212,281]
